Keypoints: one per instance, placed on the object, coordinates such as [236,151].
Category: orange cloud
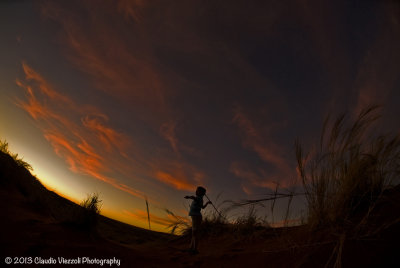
[126,68]
[258,177]
[176,182]
[45,88]
[82,158]
[261,142]
[178,174]
[167,130]
[131,9]
[108,136]
[88,147]
[33,106]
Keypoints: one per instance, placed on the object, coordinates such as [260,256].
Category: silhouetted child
[195,213]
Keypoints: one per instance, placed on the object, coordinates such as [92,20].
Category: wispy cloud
[90,146]
[126,68]
[178,174]
[261,141]
[131,9]
[257,177]
[110,138]
[167,130]
[117,64]
[87,145]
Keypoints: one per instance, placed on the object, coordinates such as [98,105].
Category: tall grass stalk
[286,221]
[274,200]
[148,211]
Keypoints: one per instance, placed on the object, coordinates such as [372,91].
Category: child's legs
[196,222]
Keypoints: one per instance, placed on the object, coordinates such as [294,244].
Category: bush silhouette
[87,217]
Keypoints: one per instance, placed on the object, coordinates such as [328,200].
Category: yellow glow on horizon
[47,179]
[119,216]
[122,217]
[55,190]
[110,213]
[58,180]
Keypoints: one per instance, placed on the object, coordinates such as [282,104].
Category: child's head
[200,191]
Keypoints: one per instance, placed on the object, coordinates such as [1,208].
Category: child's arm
[189,197]
[209,202]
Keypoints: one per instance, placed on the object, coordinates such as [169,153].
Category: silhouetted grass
[15,172]
[243,227]
[92,203]
[249,222]
[178,224]
[345,177]
[216,223]
[278,194]
[87,217]
[19,161]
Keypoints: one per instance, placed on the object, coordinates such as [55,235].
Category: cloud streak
[260,141]
[126,68]
[117,64]
[86,147]
[81,135]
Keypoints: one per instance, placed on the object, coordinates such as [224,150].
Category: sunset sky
[153,98]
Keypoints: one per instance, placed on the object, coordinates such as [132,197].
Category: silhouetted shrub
[88,214]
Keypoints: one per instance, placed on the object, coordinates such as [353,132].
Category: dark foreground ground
[37,223]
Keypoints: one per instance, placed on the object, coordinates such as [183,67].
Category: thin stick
[148,212]
[273,203]
[215,207]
